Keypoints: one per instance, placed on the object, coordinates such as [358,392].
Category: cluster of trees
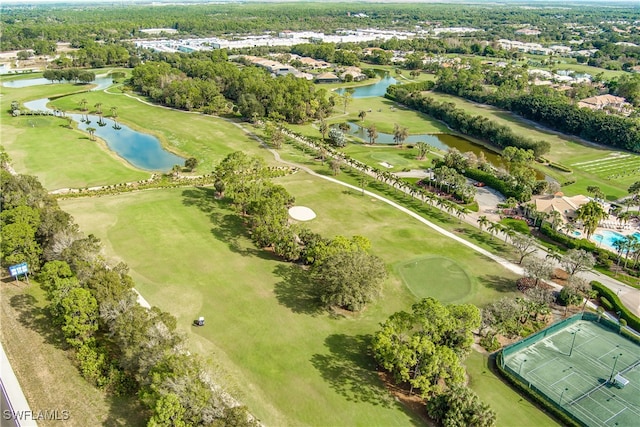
[522,316]
[211,83]
[518,180]
[425,349]
[119,346]
[544,105]
[71,75]
[342,270]
[475,126]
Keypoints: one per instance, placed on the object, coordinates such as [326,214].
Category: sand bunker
[301,213]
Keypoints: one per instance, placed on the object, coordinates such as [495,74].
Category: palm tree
[423,149]
[460,212]
[483,222]
[494,228]
[372,132]
[114,112]
[555,218]
[323,128]
[83,104]
[362,114]
[591,213]
[98,106]
[508,233]
[91,131]
[335,165]
[569,227]
[400,134]
[553,254]
[346,98]
[362,180]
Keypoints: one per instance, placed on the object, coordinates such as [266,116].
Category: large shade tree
[349,279]
[424,348]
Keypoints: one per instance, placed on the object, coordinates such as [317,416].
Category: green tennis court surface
[575,367]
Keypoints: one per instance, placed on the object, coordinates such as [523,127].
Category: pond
[103,82]
[141,150]
[441,141]
[376,89]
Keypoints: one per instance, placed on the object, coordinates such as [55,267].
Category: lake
[442,141]
[142,150]
[103,82]
[376,89]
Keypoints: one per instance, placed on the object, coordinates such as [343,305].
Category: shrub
[560,167]
[606,303]
[490,342]
[632,320]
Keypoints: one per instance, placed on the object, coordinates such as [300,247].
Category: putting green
[386,156]
[438,277]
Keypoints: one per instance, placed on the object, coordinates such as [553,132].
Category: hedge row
[558,166]
[492,181]
[539,399]
[607,294]
[571,242]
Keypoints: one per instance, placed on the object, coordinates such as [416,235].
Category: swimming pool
[608,237]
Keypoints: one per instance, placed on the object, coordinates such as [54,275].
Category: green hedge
[560,167]
[539,399]
[606,304]
[607,294]
[568,241]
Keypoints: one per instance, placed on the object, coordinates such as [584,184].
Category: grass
[206,138]
[511,408]
[384,114]
[565,149]
[399,158]
[200,246]
[45,147]
[47,375]
[453,284]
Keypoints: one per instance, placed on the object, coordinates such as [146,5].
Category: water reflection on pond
[440,141]
[141,150]
[376,89]
[102,82]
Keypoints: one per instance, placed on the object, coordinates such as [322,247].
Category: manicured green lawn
[564,149]
[455,285]
[62,157]
[511,408]
[59,156]
[385,114]
[400,158]
[289,361]
[206,138]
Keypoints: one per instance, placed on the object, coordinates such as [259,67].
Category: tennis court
[575,367]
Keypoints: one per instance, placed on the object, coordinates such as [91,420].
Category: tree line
[118,345]
[465,123]
[22,28]
[543,105]
[214,86]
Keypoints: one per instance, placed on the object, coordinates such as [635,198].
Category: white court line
[615,415]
